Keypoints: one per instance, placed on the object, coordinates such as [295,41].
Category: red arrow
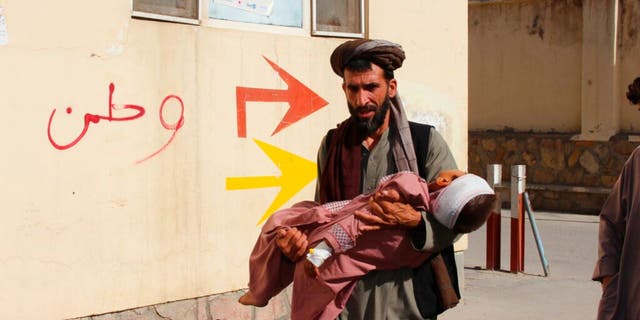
[302,101]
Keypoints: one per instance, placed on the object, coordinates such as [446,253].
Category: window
[185,11]
[330,18]
[338,18]
[285,13]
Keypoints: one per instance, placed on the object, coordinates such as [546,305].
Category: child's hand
[311,270]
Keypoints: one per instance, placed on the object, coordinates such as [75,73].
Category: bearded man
[375,141]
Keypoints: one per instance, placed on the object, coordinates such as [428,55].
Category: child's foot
[248,299]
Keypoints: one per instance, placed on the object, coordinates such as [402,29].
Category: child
[342,252]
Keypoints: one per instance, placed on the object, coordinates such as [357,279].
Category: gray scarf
[401,142]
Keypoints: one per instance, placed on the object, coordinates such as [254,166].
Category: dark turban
[385,54]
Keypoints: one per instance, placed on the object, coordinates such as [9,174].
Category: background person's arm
[613,217]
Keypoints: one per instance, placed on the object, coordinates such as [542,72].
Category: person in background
[618,261]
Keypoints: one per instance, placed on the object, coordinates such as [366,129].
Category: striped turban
[385,54]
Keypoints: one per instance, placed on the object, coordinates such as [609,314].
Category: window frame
[323,33]
[229,22]
[309,26]
[169,18]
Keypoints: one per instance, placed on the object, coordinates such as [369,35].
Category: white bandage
[319,254]
[451,199]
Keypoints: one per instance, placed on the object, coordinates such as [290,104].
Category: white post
[518,180]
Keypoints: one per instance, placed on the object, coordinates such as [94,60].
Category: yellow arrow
[296,172]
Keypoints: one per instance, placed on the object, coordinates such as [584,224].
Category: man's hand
[388,212]
[292,243]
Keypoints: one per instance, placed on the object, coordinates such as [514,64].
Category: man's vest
[434,289]
[435,282]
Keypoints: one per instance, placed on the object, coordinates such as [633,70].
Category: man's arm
[609,238]
[426,233]
[389,212]
[431,235]
[321,160]
[439,156]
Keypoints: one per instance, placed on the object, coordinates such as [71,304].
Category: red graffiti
[174,127]
[94,118]
[140,111]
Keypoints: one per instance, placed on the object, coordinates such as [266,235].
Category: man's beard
[366,127]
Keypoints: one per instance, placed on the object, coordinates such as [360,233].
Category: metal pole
[518,180]
[494,177]
[536,234]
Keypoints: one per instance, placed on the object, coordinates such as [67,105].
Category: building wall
[531,64]
[142,209]
[554,72]
[525,65]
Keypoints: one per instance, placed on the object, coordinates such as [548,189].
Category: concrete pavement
[567,294]
[570,243]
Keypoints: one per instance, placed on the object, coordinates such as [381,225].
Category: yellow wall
[525,65]
[88,230]
[553,66]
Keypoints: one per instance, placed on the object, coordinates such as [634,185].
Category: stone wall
[562,174]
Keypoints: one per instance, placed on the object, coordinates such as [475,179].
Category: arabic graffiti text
[138,112]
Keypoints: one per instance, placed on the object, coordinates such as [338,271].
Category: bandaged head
[449,201]
[387,55]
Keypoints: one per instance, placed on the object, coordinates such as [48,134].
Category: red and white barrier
[518,180]
[494,178]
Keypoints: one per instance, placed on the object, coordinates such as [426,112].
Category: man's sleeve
[439,156]
[613,217]
[431,235]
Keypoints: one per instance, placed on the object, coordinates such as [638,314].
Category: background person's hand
[605,281]
[292,243]
[388,212]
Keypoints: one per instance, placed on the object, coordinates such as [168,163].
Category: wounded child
[344,248]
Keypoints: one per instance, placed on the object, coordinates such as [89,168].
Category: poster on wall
[4,35]
[287,13]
